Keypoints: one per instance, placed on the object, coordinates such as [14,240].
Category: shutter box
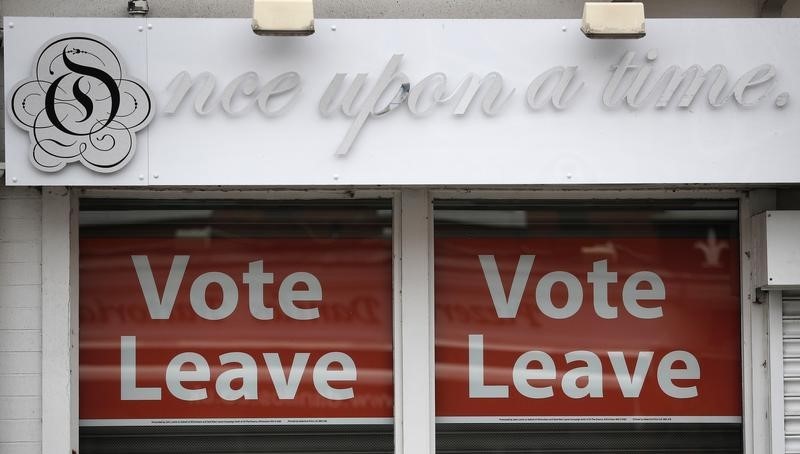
[776,250]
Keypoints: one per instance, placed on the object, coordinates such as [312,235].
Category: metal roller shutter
[367,439]
[589,438]
[791,370]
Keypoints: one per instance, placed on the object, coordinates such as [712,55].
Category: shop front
[409,235]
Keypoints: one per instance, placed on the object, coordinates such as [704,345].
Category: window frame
[413,305]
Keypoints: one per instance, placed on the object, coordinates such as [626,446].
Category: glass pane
[598,327]
[236,327]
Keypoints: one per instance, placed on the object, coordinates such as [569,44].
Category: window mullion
[415,369]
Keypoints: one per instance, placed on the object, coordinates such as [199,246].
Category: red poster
[587,330]
[235,331]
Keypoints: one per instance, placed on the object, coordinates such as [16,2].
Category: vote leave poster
[587,330]
[235,331]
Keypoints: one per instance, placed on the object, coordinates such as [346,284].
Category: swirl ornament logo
[79,106]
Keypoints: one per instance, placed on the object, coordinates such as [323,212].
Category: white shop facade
[411,235]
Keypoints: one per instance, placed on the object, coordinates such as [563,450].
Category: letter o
[230,295]
[574,295]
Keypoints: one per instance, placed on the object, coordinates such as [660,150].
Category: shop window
[236,327]
[587,327]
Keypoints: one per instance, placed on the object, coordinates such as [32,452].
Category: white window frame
[59,320]
[754,342]
[413,308]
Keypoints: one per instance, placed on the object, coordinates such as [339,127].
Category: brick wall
[20,320]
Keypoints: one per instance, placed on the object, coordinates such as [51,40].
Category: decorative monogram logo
[79,106]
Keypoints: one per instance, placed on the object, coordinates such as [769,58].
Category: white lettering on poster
[631,384]
[477,388]
[507,304]
[160,306]
[247,373]
[128,388]
[177,375]
[534,373]
[323,375]
[523,374]
[188,374]
[667,374]
[286,386]
[584,377]
[191,367]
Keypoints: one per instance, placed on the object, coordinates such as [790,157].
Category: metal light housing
[138,7]
[613,20]
[283,17]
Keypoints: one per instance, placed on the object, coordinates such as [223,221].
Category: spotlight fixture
[283,17]
[613,20]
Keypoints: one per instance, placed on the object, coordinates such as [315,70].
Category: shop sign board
[585,330]
[155,101]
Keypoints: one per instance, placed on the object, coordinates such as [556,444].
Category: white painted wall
[20,320]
